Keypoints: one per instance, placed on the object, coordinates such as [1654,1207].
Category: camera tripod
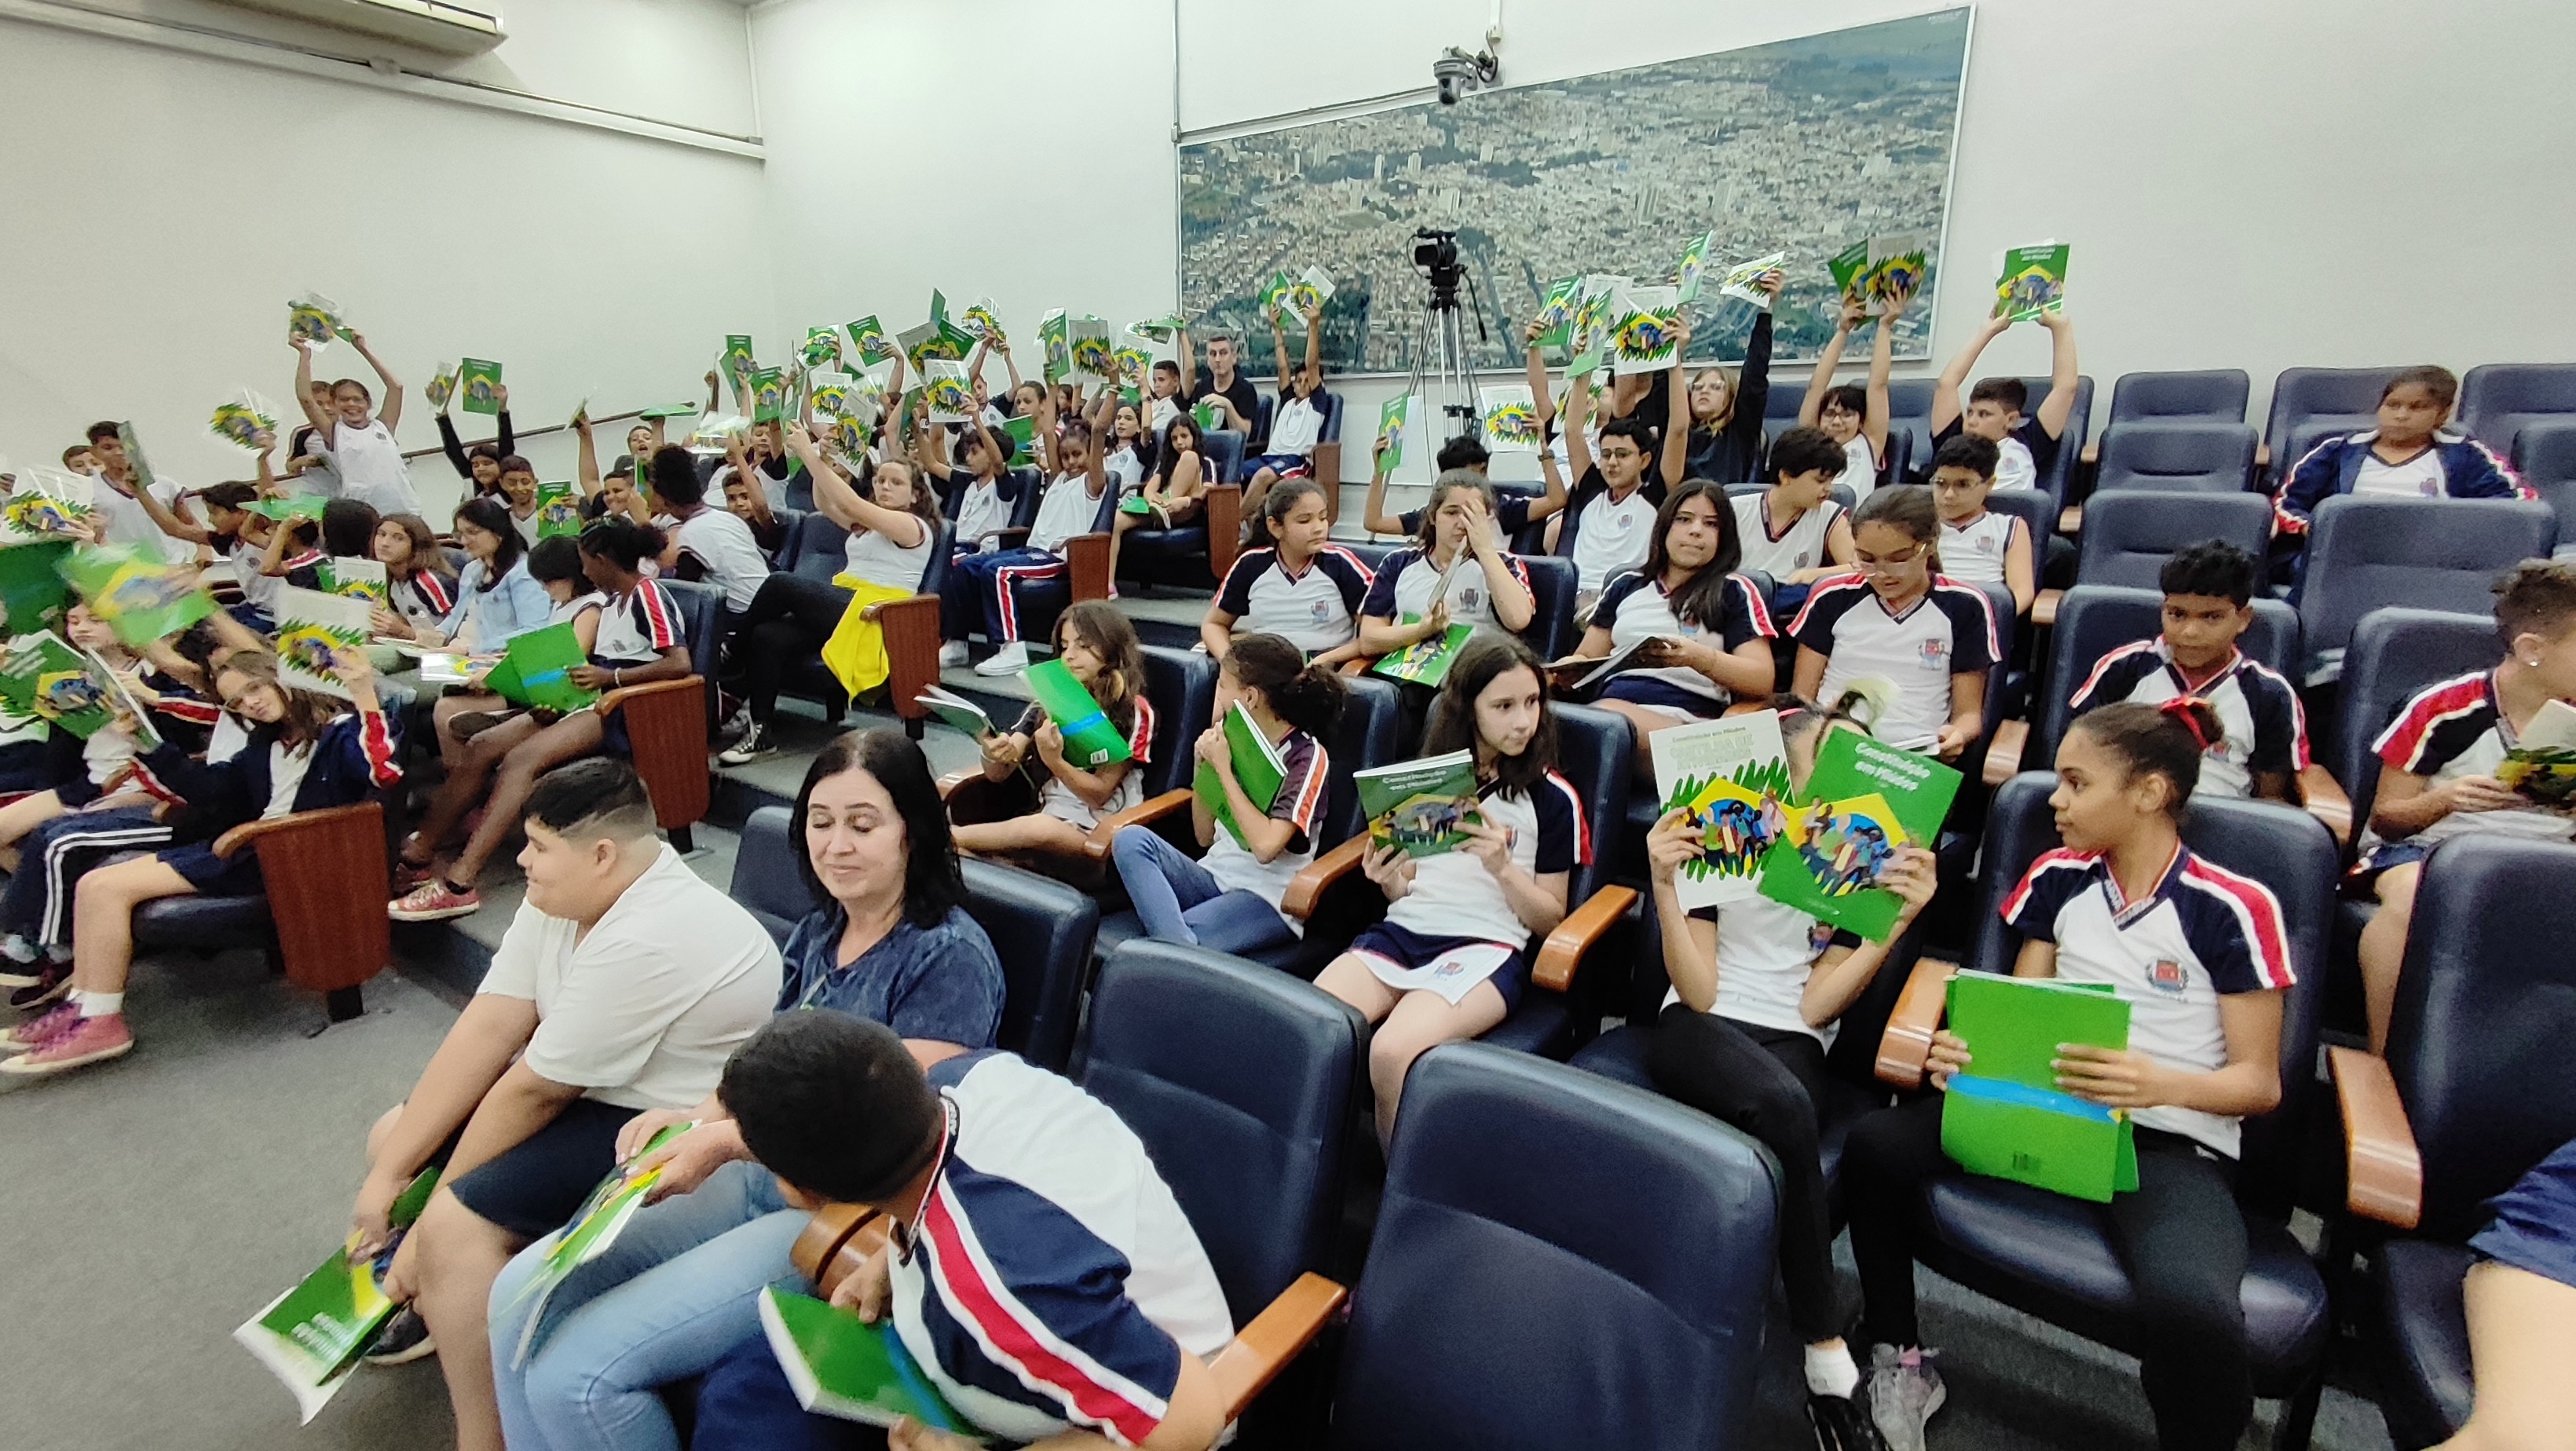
[1444,371]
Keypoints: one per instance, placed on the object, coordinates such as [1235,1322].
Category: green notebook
[2032,280]
[1022,431]
[868,336]
[137,594]
[537,667]
[1257,769]
[1419,805]
[1091,740]
[1394,421]
[1425,661]
[294,506]
[1863,801]
[45,676]
[2009,1119]
[311,1336]
[558,511]
[840,1365]
[480,384]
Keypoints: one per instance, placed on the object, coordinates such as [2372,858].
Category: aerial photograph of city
[1802,146]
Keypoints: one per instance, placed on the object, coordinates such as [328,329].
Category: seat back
[1261,423]
[2486,1005]
[1041,931]
[2206,455]
[1240,1080]
[2312,404]
[1781,402]
[1331,403]
[1560,1260]
[2215,394]
[1553,629]
[822,548]
[791,542]
[2037,511]
[2094,620]
[1595,751]
[2286,850]
[1368,736]
[934,573]
[1032,489]
[2396,652]
[1181,684]
[765,879]
[2544,457]
[1909,415]
[2435,554]
[702,620]
[2499,400]
[1372,553]
[2130,533]
[1224,450]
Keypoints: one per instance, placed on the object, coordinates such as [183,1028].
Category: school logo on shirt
[1470,597]
[1936,654]
[1323,611]
[2167,976]
[1986,543]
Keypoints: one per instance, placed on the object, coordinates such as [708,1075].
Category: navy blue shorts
[613,739]
[1409,949]
[2535,1220]
[210,874]
[2363,881]
[1657,694]
[532,1187]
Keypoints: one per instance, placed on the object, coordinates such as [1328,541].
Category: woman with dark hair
[416,574]
[889,940]
[496,597]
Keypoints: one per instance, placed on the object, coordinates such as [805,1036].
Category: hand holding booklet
[593,1228]
[311,1336]
[1730,778]
[1420,807]
[1257,769]
[1091,740]
[840,1365]
[959,712]
[2007,1117]
[1580,679]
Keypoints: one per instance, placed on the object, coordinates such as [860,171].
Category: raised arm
[844,504]
[1279,349]
[1002,345]
[452,446]
[1882,361]
[1534,367]
[506,440]
[2063,374]
[390,410]
[1954,375]
[1315,341]
[1676,460]
[1373,517]
[1578,407]
[1551,500]
[313,412]
[1821,381]
[1189,367]
[586,459]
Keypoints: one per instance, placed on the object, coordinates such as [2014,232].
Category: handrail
[520,433]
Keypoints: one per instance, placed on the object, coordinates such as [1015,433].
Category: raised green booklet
[537,670]
[2009,1119]
[311,1336]
[840,1365]
[1863,801]
[2031,280]
[137,594]
[558,511]
[1257,769]
[479,385]
[1091,739]
[1419,805]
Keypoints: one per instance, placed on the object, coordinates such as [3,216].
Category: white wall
[165,205]
[2250,185]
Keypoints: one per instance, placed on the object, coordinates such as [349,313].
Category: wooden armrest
[2327,802]
[1907,1043]
[855,1236]
[2043,608]
[1086,563]
[2092,453]
[2003,753]
[231,842]
[1563,951]
[886,612]
[2383,1171]
[615,700]
[1223,512]
[823,1236]
[1262,1349]
[1096,845]
[1307,887]
[1358,665]
[2070,520]
[911,630]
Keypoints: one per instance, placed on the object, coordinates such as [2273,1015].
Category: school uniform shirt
[1067,508]
[1974,551]
[1405,582]
[423,599]
[1949,631]
[1165,410]
[322,478]
[1454,896]
[724,547]
[636,629]
[982,512]
[1635,607]
[2262,725]
[371,467]
[2453,465]
[566,611]
[2202,934]
[126,522]
[2021,456]
[1126,471]
[1315,609]
[1299,801]
[874,557]
[641,1011]
[1860,466]
[1765,953]
[1056,799]
[1295,426]
[1051,1281]
[1610,535]
[527,527]
[2455,729]
[937,984]
[1799,546]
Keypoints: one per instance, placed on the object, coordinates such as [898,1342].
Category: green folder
[2009,1119]
[1090,740]
[840,1365]
[537,670]
[480,384]
[1257,769]
[1023,434]
[311,1336]
[1425,661]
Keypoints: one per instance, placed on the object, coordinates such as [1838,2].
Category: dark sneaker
[750,748]
[404,1339]
[1842,1424]
[52,981]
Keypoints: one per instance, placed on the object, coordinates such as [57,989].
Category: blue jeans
[1178,900]
[677,1291]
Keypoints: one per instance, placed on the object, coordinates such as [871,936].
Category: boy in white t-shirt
[1794,531]
[2026,443]
[1297,423]
[1977,544]
[622,985]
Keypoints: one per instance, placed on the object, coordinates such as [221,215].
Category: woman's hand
[2112,1077]
[1390,868]
[1672,842]
[1948,1055]
[1913,874]
[1489,844]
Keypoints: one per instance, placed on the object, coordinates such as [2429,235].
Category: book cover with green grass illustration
[829,392]
[1646,337]
[1257,769]
[1395,426]
[869,336]
[1731,777]
[1419,806]
[2031,280]
[768,395]
[1863,801]
[558,511]
[313,631]
[32,589]
[952,398]
[1057,353]
[1556,310]
[842,1366]
[315,319]
[364,579]
[1694,262]
[822,347]
[1160,329]
[441,385]
[311,1336]
[138,595]
[1509,417]
[1897,267]
[980,322]
[738,361]
[478,381]
[1311,288]
[1274,295]
[1087,340]
[1426,661]
[243,419]
[1850,268]
[1741,279]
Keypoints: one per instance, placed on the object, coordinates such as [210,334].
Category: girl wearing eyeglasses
[1898,620]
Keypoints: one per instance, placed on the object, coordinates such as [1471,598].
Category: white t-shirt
[286,771]
[1800,546]
[1860,466]
[1949,631]
[1974,551]
[981,513]
[643,1011]
[723,543]
[879,560]
[1295,426]
[1614,536]
[1066,509]
[371,467]
[2419,477]
[1765,953]
[2013,466]
[128,523]
[1403,586]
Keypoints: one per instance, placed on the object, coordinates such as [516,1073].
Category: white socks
[99,1005]
[17,949]
[1831,1372]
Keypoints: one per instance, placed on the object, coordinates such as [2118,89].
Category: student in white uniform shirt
[2026,444]
[1612,507]
[1758,989]
[706,544]
[149,519]
[1297,418]
[1455,573]
[1902,622]
[1070,505]
[1033,803]
[1978,545]
[1302,587]
[367,461]
[1795,531]
[1854,415]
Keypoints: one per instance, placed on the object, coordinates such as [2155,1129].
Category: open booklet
[2542,764]
[589,1233]
[1581,679]
[1731,777]
[956,710]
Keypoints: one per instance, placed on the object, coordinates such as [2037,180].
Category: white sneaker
[952,654]
[1011,659]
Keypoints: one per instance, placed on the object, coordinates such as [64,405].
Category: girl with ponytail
[1229,898]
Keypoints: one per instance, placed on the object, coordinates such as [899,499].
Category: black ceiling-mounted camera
[1456,73]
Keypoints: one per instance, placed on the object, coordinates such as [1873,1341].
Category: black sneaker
[757,742]
[1842,1423]
[53,979]
[404,1339]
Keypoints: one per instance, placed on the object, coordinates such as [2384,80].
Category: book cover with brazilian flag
[869,336]
[1091,740]
[1850,268]
[293,506]
[2031,280]
[1509,418]
[1087,338]
[822,347]
[1743,280]
[1693,263]
[1426,661]
[243,418]
[1646,333]
[135,594]
[536,669]
[1022,431]
[311,1336]
[478,384]
[1257,769]
[558,511]
[590,1231]
[1730,779]
[313,628]
[360,579]
[1864,800]
[768,395]
[2009,1119]
[855,1370]
[32,589]
[1056,352]
[48,505]
[1556,315]
[1394,426]
[44,676]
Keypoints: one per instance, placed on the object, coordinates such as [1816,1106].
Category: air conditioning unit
[424,24]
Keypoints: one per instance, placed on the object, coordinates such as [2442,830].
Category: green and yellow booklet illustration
[1160,329]
[952,398]
[558,511]
[768,395]
[1850,268]
[1419,806]
[1741,279]
[1087,341]
[32,589]
[980,322]
[243,419]
[478,382]
[1731,776]
[362,579]
[315,319]
[311,1336]
[1395,426]
[1311,288]
[1022,431]
[313,629]
[537,669]
[1273,296]
[1594,316]
[2031,280]
[869,336]
[2542,763]
[590,1231]
[1863,801]
[1556,310]
[1057,354]
[1646,335]
[822,347]
[842,1366]
[441,385]
[45,676]
[829,390]
[1509,418]
[1091,739]
[1426,661]
[1694,262]
[138,595]
[48,505]
[1897,268]
[1257,769]
[293,506]
[2008,1118]
[928,341]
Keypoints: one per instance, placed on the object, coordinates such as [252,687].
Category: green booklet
[1206,416]
[2009,1119]
[1056,354]
[1160,329]
[312,629]
[869,336]
[1257,769]
[1022,431]
[1426,661]
[44,676]
[1594,315]
[315,319]
[1394,424]
[311,1336]
[441,385]
[1850,267]
[1311,289]
[136,594]
[589,1232]
[536,669]
[1694,261]
[768,395]
[959,712]
[480,384]
[829,390]
[1274,295]
[48,505]
[923,343]
[952,397]
[1087,340]
[2031,280]
[32,591]
[737,355]
[1090,739]
[293,506]
[980,322]
[362,579]
[1731,775]
[1556,315]
[822,347]
[1741,279]
[558,511]
[840,1365]
[1419,805]
[1897,266]
[1645,334]
[1509,418]
[2541,766]
[1863,801]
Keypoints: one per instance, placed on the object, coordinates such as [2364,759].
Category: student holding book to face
[1228,899]
[2199,954]
[1031,801]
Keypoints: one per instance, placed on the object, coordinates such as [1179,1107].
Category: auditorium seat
[2499,400]
[2209,395]
[668,722]
[2395,652]
[2544,458]
[2130,533]
[1224,450]
[1085,576]
[2313,404]
[2202,455]
[822,548]
[1909,410]
[911,637]
[1553,631]
[328,934]
[1195,555]
[2441,554]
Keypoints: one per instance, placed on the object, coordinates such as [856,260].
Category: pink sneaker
[37,1031]
[86,1041]
[433,901]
